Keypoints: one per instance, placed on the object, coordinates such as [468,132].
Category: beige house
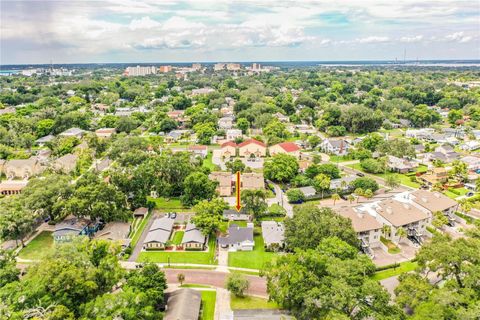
[22,168]
[398,215]
[252,149]
[285,148]
[252,181]
[368,229]
[435,202]
[105,132]
[228,150]
[224,179]
[12,187]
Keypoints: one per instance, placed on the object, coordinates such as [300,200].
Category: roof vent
[389,210]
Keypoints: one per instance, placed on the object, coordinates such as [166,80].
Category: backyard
[38,247]
[207,162]
[193,257]
[165,204]
[405,179]
[251,259]
[403,267]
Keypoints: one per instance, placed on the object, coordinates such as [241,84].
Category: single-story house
[22,168]
[470,145]
[308,191]
[235,215]
[140,212]
[273,234]
[473,162]
[183,304]
[12,187]
[436,175]
[159,234]
[228,150]
[105,132]
[252,181]
[193,238]
[400,165]
[72,227]
[73,132]
[233,134]
[44,140]
[66,163]
[285,148]
[238,238]
[225,123]
[115,231]
[342,183]
[224,179]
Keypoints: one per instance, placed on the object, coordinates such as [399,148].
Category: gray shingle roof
[236,234]
[273,232]
[160,230]
[192,234]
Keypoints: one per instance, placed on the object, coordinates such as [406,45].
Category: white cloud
[373,39]
[411,39]
[143,23]
[458,37]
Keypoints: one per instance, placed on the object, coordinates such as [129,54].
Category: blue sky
[222,30]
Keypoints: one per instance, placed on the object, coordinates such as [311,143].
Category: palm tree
[368,194]
[386,231]
[359,192]
[439,219]
[401,233]
[335,197]
[350,198]
[322,183]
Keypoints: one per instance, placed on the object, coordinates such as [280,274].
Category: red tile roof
[249,141]
[228,143]
[197,147]
[289,146]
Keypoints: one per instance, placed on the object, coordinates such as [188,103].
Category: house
[66,163]
[338,147]
[435,202]
[183,304]
[140,212]
[116,232]
[436,175]
[198,151]
[238,238]
[73,227]
[233,134]
[471,145]
[342,183]
[419,148]
[225,123]
[308,191]
[73,132]
[44,140]
[422,134]
[252,181]
[158,234]
[193,238]
[273,235]
[103,164]
[12,187]
[400,165]
[281,117]
[105,132]
[367,228]
[224,179]
[176,135]
[22,168]
[444,153]
[234,215]
[228,150]
[396,215]
[473,162]
[285,148]
[196,92]
[252,149]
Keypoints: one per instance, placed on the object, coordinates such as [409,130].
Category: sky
[129,31]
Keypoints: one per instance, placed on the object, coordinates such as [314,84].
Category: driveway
[138,248]
[281,199]
[383,258]
[258,286]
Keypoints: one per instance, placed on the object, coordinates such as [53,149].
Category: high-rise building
[219,66]
[233,66]
[165,69]
[140,71]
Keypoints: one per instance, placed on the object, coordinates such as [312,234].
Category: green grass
[38,247]
[208,304]
[392,248]
[250,302]
[139,230]
[335,159]
[403,267]
[404,179]
[241,224]
[177,237]
[193,285]
[251,259]
[180,256]
[454,193]
[207,162]
[468,219]
[190,268]
[167,204]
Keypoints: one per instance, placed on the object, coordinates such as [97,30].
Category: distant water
[281,64]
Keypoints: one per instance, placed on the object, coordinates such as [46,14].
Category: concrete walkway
[282,200]
[222,305]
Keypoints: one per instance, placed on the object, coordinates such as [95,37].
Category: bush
[365,183]
[237,284]
[295,196]
[372,165]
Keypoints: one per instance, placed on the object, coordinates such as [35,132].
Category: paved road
[282,200]
[258,286]
[138,248]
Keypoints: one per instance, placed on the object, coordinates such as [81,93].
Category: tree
[205,132]
[365,183]
[151,281]
[254,202]
[454,116]
[459,170]
[439,219]
[237,284]
[359,192]
[295,196]
[328,169]
[235,165]
[275,129]
[328,282]
[321,183]
[15,221]
[422,116]
[371,141]
[281,168]
[397,147]
[208,215]
[335,197]
[243,124]
[386,230]
[181,278]
[350,198]
[314,141]
[197,187]
[8,268]
[310,224]
[392,181]
[373,165]
[401,233]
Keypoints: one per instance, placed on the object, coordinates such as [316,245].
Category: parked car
[360,174]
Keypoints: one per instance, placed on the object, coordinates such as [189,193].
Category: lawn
[249,302]
[251,259]
[454,193]
[335,159]
[208,304]
[207,162]
[177,237]
[403,267]
[38,247]
[404,179]
[180,256]
[139,230]
[392,248]
[167,204]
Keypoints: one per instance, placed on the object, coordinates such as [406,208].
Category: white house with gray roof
[159,234]
[273,234]
[238,238]
[193,238]
[338,147]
